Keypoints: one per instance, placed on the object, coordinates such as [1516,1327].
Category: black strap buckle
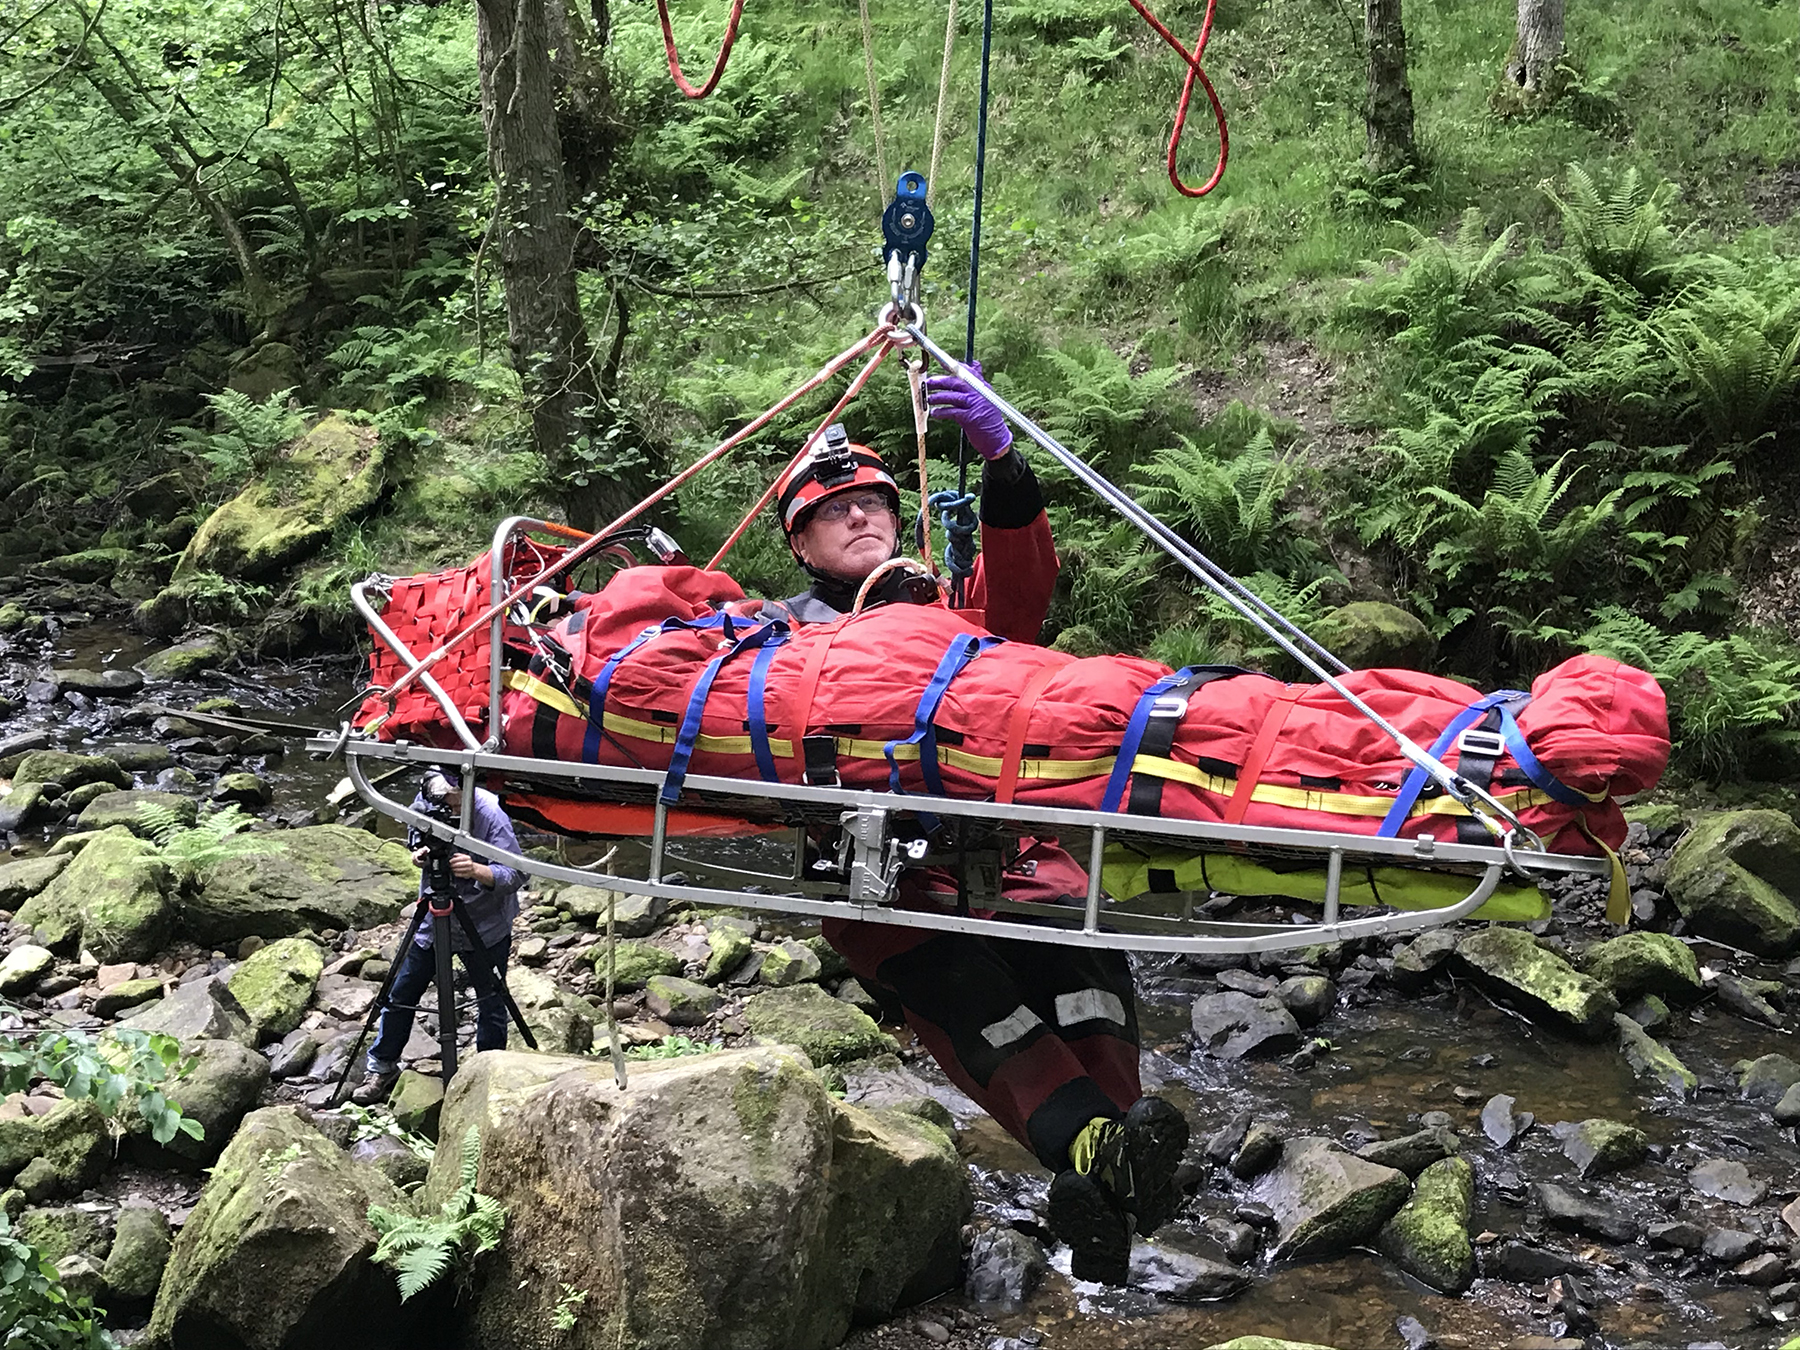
[820,754]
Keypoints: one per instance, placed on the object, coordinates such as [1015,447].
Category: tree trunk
[1389,109]
[1538,52]
[535,236]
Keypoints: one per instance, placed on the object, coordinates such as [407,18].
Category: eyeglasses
[866,502]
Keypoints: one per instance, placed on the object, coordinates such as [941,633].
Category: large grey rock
[735,1201]
[1573,1212]
[1326,1201]
[1232,1025]
[1509,963]
[1728,1180]
[1634,964]
[140,1250]
[71,1136]
[829,1030]
[1367,634]
[276,1254]
[1787,1110]
[562,1022]
[1501,1123]
[1651,1060]
[1767,1077]
[1412,1153]
[1181,1277]
[224,1083]
[24,966]
[1750,999]
[634,916]
[274,984]
[1005,1266]
[184,660]
[127,809]
[21,880]
[112,900]
[318,877]
[1428,1237]
[1310,998]
[196,1011]
[96,683]
[1597,1147]
[787,963]
[70,770]
[1736,877]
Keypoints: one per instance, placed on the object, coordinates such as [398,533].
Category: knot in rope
[956,513]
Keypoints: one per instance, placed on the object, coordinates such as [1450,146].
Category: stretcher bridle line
[1293,641]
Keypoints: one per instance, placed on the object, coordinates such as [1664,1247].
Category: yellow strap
[1618,891]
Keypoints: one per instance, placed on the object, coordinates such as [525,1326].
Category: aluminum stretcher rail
[876,844]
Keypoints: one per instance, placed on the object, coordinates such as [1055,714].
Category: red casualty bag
[918,699]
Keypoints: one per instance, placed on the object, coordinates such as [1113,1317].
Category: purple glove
[950,398]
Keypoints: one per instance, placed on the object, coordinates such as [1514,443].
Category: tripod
[438,897]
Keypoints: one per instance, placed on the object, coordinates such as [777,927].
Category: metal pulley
[906,228]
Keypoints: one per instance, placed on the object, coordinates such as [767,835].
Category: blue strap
[767,636]
[1541,778]
[758,719]
[963,648]
[1414,782]
[590,743]
[1134,735]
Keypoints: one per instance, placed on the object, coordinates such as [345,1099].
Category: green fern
[1234,506]
[1621,237]
[420,1249]
[245,436]
[1738,356]
[211,839]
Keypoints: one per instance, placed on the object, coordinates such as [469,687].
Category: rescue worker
[1043,1037]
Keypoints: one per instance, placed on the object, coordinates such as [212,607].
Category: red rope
[731,31]
[1192,61]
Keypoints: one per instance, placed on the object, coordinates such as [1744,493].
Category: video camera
[435,801]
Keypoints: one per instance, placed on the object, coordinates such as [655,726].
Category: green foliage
[245,435]
[35,1310]
[125,1073]
[672,1047]
[1622,236]
[225,596]
[211,839]
[1737,353]
[420,1249]
[569,1301]
[375,1122]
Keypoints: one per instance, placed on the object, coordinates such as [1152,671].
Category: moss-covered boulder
[561,1021]
[276,1254]
[726,950]
[1367,633]
[1599,1146]
[635,963]
[138,810]
[332,474]
[1510,964]
[788,962]
[1429,1237]
[1736,877]
[829,1030]
[134,1266]
[90,564]
[184,660]
[275,983]
[1327,1201]
[634,916]
[318,877]
[1651,1061]
[59,1231]
[679,1002]
[21,880]
[721,1199]
[1634,964]
[226,1080]
[71,1136]
[70,770]
[126,995]
[417,1102]
[113,900]
[24,966]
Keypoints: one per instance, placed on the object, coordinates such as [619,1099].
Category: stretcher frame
[876,835]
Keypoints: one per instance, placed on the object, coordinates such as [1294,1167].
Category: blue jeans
[417,969]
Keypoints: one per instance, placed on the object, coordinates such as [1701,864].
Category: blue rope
[956,513]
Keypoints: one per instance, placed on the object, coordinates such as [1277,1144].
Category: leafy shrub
[1621,237]
[1738,355]
[35,1310]
[124,1073]
[419,1249]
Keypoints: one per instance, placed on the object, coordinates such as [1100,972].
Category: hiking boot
[1134,1160]
[1083,1215]
[374,1088]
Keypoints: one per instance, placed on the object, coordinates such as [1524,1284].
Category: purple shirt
[491,909]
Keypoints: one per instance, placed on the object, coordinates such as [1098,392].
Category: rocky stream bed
[1543,1137]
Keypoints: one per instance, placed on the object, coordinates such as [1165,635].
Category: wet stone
[1727,1180]
[1650,1013]
[1652,1061]
[1787,1110]
[1327,1201]
[1598,1147]
[1729,1246]
[1005,1266]
[1245,982]
[1525,1263]
[1572,1212]
[1179,1277]
[1766,1079]
[1761,1271]
[1501,1123]
[1749,999]
[1235,1025]
[1412,1153]
[1258,1153]
[1310,998]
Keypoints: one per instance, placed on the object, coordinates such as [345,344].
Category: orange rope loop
[712,81]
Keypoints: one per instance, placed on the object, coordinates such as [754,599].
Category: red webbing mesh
[423,612]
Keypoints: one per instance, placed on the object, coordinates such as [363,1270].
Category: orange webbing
[1259,753]
[1016,729]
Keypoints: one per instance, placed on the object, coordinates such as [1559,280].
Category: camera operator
[490,896]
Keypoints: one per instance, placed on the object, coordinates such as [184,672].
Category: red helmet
[832,466]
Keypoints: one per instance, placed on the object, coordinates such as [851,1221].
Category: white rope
[883,185]
[937,130]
